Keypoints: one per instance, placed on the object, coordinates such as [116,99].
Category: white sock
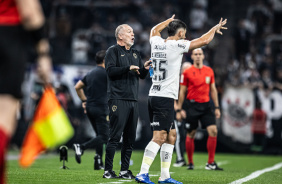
[166,156]
[150,153]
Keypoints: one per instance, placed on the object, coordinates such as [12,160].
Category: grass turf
[46,169]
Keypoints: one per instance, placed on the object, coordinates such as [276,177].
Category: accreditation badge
[208,80]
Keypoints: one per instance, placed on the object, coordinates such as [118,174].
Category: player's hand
[148,64]
[217,113]
[44,68]
[172,18]
[84,107]
[178,116]
[183,114]
[134,68]
[220,25]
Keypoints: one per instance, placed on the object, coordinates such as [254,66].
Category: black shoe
[190,166]
[179,163]
[127,175]
[110,174]
[78,152]
[98,163]
[213,166]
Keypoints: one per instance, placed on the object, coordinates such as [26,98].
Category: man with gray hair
[124,68]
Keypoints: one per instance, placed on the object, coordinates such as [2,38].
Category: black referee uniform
[97,108]
[123,86]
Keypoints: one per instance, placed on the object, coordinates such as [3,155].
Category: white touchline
[257,174]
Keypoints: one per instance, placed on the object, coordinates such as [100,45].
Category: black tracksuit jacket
[123,84]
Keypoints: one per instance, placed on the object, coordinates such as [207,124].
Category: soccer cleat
[143,178]
[179,163]
[98,163]
[190,166]
[169,180]
[110,174]
[78,152]
[127,175]
[213,166]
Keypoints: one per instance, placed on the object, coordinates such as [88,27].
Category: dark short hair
[100,55]
[174,25]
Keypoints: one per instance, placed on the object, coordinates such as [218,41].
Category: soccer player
[95,105]
[124,68]
[19,20]
[198,82]
[166,55]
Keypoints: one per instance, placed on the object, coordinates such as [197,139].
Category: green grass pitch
[46,169]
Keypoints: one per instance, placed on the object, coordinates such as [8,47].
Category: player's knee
[160,139]
[213,132]
[191,134]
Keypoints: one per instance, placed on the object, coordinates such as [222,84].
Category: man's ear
[119,36]
[180,33]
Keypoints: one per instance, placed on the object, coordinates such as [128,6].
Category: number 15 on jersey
[160,71]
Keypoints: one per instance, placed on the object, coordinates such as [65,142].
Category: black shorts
[13,55]
[198,112]
[161,113]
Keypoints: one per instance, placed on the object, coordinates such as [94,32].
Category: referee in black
[94,102]
[124,68]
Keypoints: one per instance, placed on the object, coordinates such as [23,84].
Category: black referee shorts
[161,113]
[196,112]
[13,54]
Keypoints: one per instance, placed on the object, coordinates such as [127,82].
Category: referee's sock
[166,156]
[190,147]
[4,139]
[211,146]
[150,153]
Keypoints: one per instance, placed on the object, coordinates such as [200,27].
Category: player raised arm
[156,30]
[208,37]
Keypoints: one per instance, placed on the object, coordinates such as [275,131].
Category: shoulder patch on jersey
[182,46]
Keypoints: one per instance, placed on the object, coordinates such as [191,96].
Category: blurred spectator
[136,26]
[80,48]
[242,39]
[258,128]
[251,78]
[198,17]
[61,42]
[266,80]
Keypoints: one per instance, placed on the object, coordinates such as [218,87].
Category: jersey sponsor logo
[135,55]
[182,46]
[159,55]
[208,80]
[160,47]
[155,124]
[156,87]
[114,108]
